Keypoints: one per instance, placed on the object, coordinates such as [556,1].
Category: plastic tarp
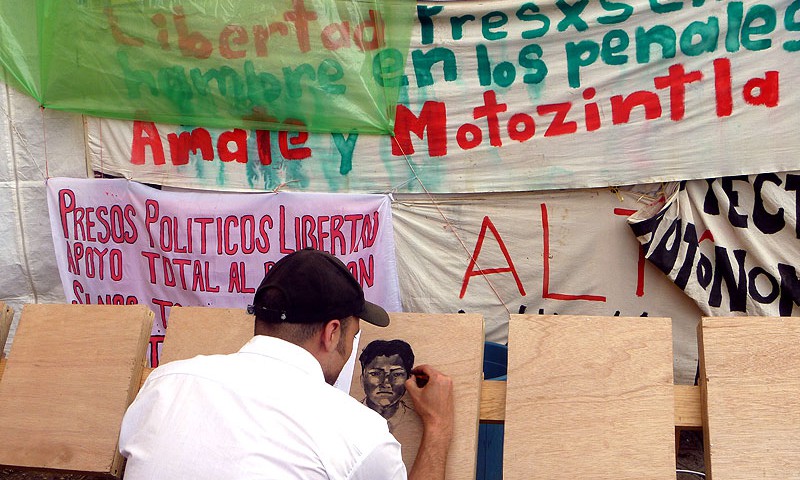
[315,65]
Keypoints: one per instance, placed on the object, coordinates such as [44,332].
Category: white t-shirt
[264,412]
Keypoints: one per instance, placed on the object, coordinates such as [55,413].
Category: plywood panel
[452,343]
[71,373]
[750,382]
[589,398]
[205,331]
[6,316]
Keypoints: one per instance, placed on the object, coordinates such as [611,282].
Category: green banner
[314,65]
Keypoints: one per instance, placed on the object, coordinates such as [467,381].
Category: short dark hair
[387,348]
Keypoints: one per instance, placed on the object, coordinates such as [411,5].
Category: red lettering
[490,109]
[521,127]
[432,119]
[119,36]
[336,36]
[293,152]
[336,234]
[300,17]
[722,87]
[374,25]
[473,260]
[546,267]
[155,344]
[469,136]
[591,111]
[558,126]
[621,107]
[626,212]
[239,138]
[261,36]
[767,87]
[66,204]
[240,38]
[230,221]
[192,44]
[264,147]
[676,81]
[145,134]
[180,145]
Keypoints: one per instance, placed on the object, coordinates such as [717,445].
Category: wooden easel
[610,375]
[71,373]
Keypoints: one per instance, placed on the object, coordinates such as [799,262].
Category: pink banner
[120,242]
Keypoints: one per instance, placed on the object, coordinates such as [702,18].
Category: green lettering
[614,42]
[662,35]
[708,33]
[134,78]
[531,57]
[294,78]
[581,54]
[173,84]
[626,12]
[424,14]
[329,72]
[488,23]
[387,68]
[424,61]
[524,16]
[262,87]
[735,14]
[792,25]
[457,24]
[346,147]
[756,13]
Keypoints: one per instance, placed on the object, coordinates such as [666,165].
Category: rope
[449,224]
[44,139]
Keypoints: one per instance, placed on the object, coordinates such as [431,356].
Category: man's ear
[331,333]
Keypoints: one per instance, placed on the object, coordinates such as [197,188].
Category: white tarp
[120,242]
[514,95]
[731,243]
[34,143]
[568,252]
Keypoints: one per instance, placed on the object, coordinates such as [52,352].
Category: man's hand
[433,403]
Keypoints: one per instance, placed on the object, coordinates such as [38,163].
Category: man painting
[269,411]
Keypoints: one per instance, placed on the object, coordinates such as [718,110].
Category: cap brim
[374,314]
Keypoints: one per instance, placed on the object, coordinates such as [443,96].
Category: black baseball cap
[312,286]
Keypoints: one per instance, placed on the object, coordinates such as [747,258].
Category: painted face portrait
[384,380]
[385,367]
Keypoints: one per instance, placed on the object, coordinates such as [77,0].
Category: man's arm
[433,403]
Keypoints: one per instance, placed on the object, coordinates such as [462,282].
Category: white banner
[732,244]
[119,242]
[513,95]
[567,252]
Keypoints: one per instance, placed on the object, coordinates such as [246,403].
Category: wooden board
[196,331]
[6,316]
[750,384]
[71,373]
[452,343]
[589,398]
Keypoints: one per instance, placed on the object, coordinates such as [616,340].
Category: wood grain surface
[71,374]
[589,398]
[453,344]
[750,384]
[196,331]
